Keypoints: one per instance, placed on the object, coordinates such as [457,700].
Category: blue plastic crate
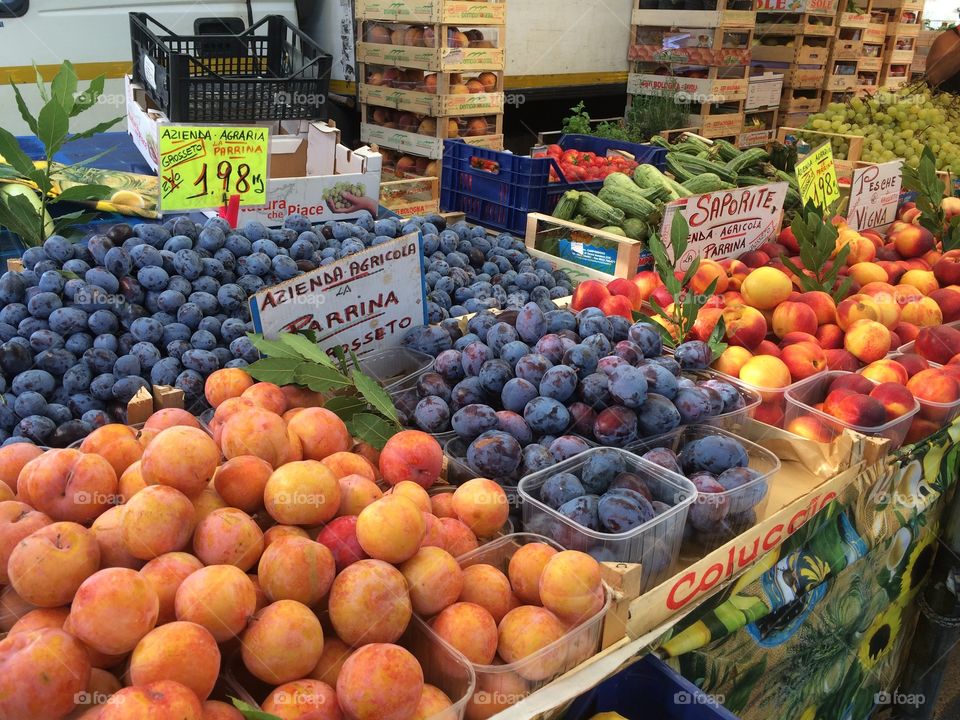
[498,189]
[649,689]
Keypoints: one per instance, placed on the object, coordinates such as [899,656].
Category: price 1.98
[232,181]
[824,190]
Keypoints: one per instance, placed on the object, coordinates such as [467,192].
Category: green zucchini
[595,208]
[746,159]
[567,205]
[614,230]
[676,168]
[696,166]
[706,183]
[636,229]
[631,203]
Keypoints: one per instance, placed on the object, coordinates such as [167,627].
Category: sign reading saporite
[363,302]
[727,223]
[874,195]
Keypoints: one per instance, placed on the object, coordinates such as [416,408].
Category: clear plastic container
[732,512]
[909,347]
[736,419]
[443,667]
[405,398]
[772,406]
[802,397]
[394,365]
[500,686]
[655,544]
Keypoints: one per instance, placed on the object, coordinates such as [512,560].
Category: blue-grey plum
[560,489]
[559,382]
[599,469]
[516,394]
[647,337]
[660,380]
[535,457]
[692,404]
[615,426]
[567,446]
[583,510]
[473,420]
[623,510]
[711,504]
[744,488]
[513,351]
[495,454]
[546,416]
[449,364]
[693,355]
[513,424]
[665,458]
[714,454]
[657,415]
[594,390]
[532,367]
[494,374]
[628,386]
[466,392]
[432,414]
[581,358]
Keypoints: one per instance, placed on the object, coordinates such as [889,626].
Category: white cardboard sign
[726,223]
[874,196]
[361,303]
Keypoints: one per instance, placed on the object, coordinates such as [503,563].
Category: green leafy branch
[20,211]
[357,399]
[817,239]
[251,713]
[924,181]
[686,305]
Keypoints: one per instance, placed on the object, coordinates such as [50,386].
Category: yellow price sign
[817,177]
[201,168]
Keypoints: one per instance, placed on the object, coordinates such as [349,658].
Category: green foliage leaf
[375,395]
[25,113]
[250,712]
[319,378]
[345,406]
[372,429]
[18,222]
[306,349]
[664,333]
[95,130]
[841,292]
[679,232]
[64,87]
[10,150]
[715,341]
[71,219]
[53,125]
[273,348]
[41,85]
[88,97]
[81,193]
[279,371]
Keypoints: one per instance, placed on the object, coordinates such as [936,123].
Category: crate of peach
[523,611]
[436,94]
[822,407]
[428,12]
[448,49]
[424,135]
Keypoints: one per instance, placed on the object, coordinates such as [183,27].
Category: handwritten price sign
[202,167]
[874,195]
[817,177]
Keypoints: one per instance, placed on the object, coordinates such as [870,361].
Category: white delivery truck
[567,50]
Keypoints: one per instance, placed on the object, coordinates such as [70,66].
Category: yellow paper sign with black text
[817,177]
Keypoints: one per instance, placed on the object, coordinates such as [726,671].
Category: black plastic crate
[272,71]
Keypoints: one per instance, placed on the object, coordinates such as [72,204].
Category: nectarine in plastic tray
[804,419]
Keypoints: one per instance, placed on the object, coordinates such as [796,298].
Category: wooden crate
[412,196]
[424,103]
[694,89]
[424,145]
[443,59]
[840,83]
[870,64]
[847,49]
[427,12]
[802,24]
[848,20]
[803,54]
[694,18]
[791,102]
[619,255]
[753,136]
[845,166]
[720,50]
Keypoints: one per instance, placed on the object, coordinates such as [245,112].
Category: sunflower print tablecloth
[815,631]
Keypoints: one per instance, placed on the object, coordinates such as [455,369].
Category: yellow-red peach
[434,535]
[259,432]
[184,458]
[205,503]
[380,681]
[434,703]
[886,371]
[731,360]
[458,539]
[486,586]
[369,603]
[157,520]
[589,293]
[923,313]
[857,307]
[17,521]
[441,505]
[278,532]
[69,485]
[948,300]
[301,397]
[895,398]
[434,580]
[228,536]
[283,642]
[347,463]
[356,492]
[791,317]
[470,629]
[221,598]
[859,410]
[41,619]
[113,609]
[804,359]
[216,710]
[766,371]
[745,326]
[108,532]
[334,655]
[170,417]
[12,608]
[295,568]
[934,385]
[411,455]
[391,529]
[165,575]
[482,506]
[526,630]
[240,481]
[224,384]
[162,699]
[923,280]
[414,493]
[911,240]
[131,482]
[321,433]
[47,567]
[868,272]
[306,698]
[13,458]
[302,493]
[180,651]
[525,569]
[41,674]
[867,340]
[840,359]
[118,444]
[709,271]
[765,288]
[628,289]
[792,338]
[496,692]
[570,586]
[646,281]
[266,395]
[920,428]
[830,336]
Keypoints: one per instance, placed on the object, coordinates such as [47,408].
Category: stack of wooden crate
[842,79]
[793,38]
[924,41]
[903,33]
[700,56]
[429,70]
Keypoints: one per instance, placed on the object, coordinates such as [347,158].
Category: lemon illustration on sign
[129,198]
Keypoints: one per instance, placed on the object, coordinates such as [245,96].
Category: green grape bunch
[897,124]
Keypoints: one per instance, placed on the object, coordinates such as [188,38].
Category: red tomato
[554,150]
[571,156]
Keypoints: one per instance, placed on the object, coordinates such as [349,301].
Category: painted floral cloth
[816,630]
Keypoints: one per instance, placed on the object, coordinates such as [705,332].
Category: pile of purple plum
[520,386]
[728,489]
